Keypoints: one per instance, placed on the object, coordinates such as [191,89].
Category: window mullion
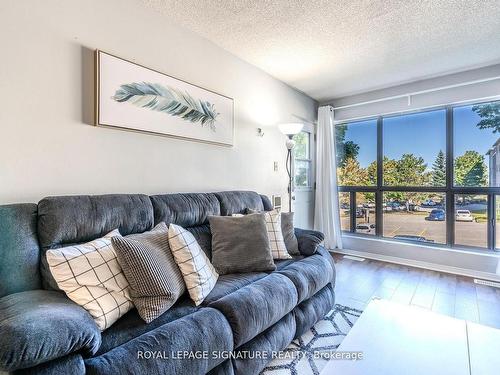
[491,221]
[450,199]
[379,219]
[352,203]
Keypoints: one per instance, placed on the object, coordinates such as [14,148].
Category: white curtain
[326,210]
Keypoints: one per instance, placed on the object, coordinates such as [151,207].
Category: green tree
[439,170]
[490,116]
[372,173]
[345,149]
[410,171]
[390,171]
[351,173]
[471,170]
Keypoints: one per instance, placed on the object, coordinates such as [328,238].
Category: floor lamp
[290,130]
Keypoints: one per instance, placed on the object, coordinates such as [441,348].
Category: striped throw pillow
[149,266]
[91,276]
[199,274]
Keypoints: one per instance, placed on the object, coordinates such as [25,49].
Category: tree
[351,174]
[345,149]
[470,170]
[490,116]
[410,171]
[439,170]
[372,173]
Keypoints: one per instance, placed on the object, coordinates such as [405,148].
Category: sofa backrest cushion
[19,251]
[70,220]
[190,211]
[185,209]
[237,202]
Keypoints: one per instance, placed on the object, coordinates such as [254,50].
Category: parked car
[436,215]
[396,206]
[464,215]
[365,228]
[409,237]
[429,202]
[360,213]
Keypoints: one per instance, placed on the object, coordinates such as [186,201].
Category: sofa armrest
[308,240]
[39,325]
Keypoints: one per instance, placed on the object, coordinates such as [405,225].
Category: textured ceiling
[329,49]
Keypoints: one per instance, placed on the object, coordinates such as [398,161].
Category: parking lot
[414,224]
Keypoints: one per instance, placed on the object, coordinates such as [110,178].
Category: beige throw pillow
[198,273]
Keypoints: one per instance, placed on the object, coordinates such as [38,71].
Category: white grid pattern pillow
[198,273]
[273,224]
[91,276]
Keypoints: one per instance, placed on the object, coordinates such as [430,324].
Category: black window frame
[449,189]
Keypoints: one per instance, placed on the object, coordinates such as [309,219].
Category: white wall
[47,146]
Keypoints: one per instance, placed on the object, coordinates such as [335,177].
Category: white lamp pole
[290,129]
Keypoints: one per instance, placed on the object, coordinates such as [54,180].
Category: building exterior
[494,164]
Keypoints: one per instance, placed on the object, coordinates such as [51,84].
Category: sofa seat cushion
[227,284]
[131,324]
[272,340]
[257,306]
[201,332]
[282,263]
[309,275]
[70,364]
[309,312]
[39,325]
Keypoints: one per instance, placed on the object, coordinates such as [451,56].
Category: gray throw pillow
[240,244]
[149,266]
[291,243]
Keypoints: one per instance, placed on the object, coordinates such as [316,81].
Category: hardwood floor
[457,296]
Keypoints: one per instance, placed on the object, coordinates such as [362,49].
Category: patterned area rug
[303,355]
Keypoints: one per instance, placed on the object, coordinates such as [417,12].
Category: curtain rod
[418,109]
[414,93]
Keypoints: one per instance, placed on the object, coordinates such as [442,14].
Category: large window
[431,177]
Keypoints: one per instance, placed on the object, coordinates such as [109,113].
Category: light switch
[276,166]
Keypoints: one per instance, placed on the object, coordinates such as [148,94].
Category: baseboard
[421,264]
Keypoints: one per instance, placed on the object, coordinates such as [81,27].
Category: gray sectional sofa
[43,332]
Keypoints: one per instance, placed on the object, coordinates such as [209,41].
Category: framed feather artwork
[131,96]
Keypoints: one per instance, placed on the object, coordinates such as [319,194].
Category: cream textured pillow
[198,273]
[91,276]
[276,241]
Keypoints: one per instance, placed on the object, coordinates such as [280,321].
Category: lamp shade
[290,128]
